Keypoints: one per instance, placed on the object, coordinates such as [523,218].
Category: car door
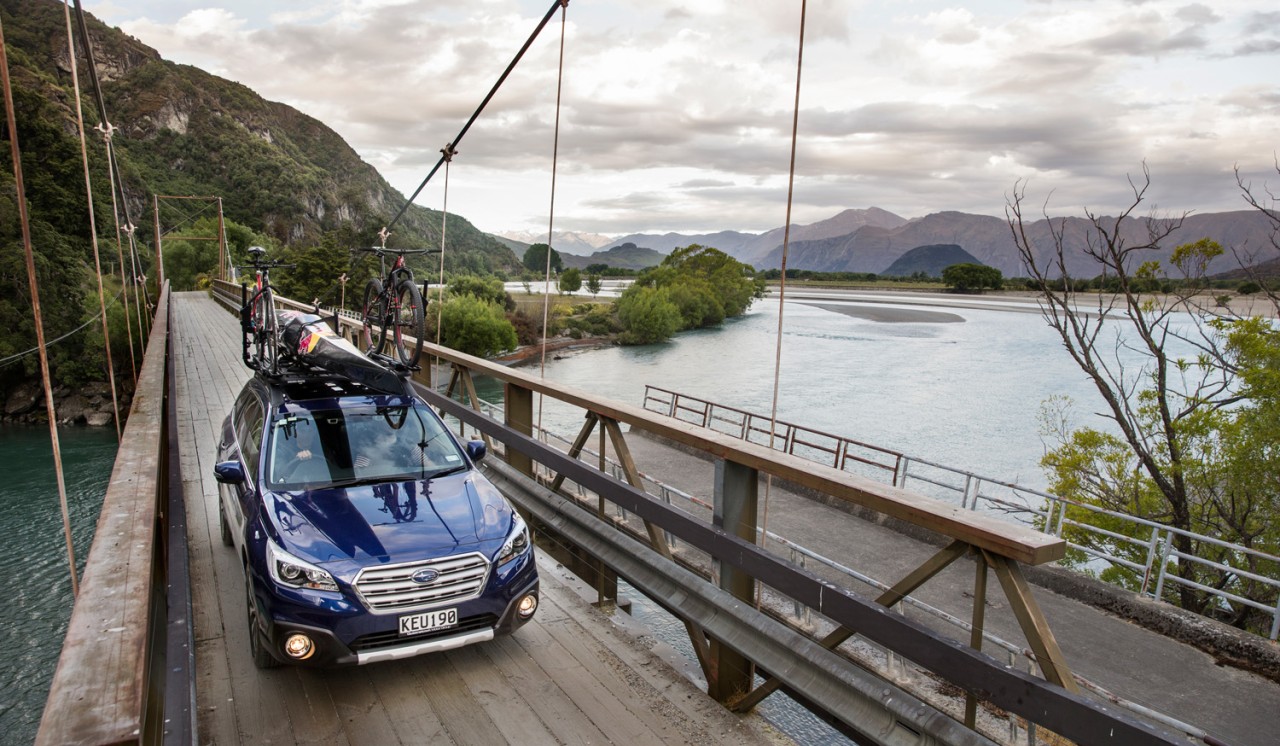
[248,420]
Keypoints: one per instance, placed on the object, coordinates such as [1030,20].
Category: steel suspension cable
[782,290]
[448,153]
[113,167]
[92,68]
[34,285]
[93,224]
[551,211]
[502,78]
[124,282]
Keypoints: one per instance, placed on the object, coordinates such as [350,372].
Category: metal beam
[735,509]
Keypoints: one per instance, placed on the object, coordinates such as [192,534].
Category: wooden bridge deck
[571,676]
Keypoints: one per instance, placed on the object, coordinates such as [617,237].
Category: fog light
[299,646]
[527,606]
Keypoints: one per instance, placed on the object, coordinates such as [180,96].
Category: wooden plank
[587,682]
[514,717]
[412,716]
[634,645]
[561,714]
[1034,625]
[356,706]
[463,718]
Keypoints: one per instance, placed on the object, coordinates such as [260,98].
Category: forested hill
[184,131]
[285,179]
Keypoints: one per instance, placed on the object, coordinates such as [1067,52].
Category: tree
[570,281]
[476,327]
[1195,419]
[709,276]
[972,278]
[647,315]
[535,259]
[593,284]
[485,288]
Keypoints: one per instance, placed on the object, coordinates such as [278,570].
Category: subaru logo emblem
[426,576]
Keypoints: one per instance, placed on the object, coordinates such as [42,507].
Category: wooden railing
[109,683]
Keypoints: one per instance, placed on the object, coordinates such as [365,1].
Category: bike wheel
[373,329]
[409,320]
[265,331]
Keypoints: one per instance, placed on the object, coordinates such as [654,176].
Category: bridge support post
[518,413]
[735,510]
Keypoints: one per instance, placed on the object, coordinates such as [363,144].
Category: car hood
[392,521]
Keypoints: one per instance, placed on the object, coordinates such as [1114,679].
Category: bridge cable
[551,218]
[782,291]
[450,149]
[34,285]
[447,153]
[502,78]
[125,280]
[113,168]
[93,225]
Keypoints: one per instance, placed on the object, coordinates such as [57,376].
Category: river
[33,619]
[964,392]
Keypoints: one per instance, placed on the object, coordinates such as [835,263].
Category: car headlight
[292,572]
[517,542]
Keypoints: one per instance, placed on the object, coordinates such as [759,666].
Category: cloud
[678,114]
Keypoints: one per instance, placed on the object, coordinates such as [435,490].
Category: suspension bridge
[154,652]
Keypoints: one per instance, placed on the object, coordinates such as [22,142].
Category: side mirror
[476,450]
[229,472]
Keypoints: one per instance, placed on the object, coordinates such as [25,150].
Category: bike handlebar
[401,252]
[267,265]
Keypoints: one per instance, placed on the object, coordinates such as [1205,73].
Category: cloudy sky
[676,115]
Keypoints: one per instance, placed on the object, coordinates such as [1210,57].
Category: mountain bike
[393,307]
[258,322]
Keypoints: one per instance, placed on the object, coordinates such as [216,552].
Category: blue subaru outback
[365,531]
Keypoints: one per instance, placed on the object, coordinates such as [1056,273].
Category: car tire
[257,646]
[223,527]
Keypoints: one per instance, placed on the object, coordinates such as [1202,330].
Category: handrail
[1155,571]
[90,702]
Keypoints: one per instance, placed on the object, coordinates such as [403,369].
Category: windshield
[359,444]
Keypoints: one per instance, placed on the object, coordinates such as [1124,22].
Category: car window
[314,447]
[249,434]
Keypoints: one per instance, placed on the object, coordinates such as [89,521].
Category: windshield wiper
[446,471]
[359,481]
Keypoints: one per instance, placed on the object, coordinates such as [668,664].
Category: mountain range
[872,240]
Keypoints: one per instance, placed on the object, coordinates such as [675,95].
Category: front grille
[393,639]
[394,589]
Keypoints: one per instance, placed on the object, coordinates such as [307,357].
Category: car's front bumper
[477,623]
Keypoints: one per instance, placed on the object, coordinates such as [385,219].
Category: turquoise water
[37,606]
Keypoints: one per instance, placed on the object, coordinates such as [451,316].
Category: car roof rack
[300,383]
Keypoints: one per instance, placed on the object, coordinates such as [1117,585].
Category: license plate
[430,621]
